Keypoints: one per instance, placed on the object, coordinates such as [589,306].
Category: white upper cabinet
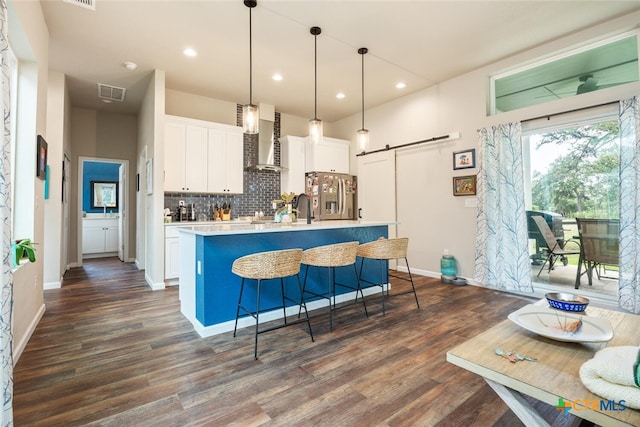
[330,155]
[226,150]
[175,135]
[185,157]
[195,159]
[292,159]
[202,157]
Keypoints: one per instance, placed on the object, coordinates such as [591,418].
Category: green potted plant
[285,212]
[24,248]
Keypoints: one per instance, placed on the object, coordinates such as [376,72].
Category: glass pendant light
[315,124]
[250,113]
[363,134]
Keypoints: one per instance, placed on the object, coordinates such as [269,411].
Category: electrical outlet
[446,252]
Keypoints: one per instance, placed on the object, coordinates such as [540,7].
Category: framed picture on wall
[464,159]
[464,185]
[41,158]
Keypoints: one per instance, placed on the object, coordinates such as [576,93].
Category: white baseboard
[154,286]
[52,285]
[19,347]
[244,322]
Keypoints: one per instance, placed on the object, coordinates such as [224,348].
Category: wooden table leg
[518,404]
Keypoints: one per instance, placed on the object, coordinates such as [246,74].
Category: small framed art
[41,158]
[464,159]
[464,185]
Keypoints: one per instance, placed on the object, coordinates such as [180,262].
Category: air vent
[112,93]
[87,4]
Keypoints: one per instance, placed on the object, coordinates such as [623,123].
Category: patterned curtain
[629,284]
[6,310]
[502,253]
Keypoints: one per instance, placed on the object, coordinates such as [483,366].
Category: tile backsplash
[260,187]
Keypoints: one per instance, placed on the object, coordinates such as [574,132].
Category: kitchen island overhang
[209,291]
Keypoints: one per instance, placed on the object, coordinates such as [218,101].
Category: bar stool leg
[332,296]
[255,348]
[284,306]
[305,307]
[411,279]
[359,288]
[302,290]
[359,275]
[235,328]
[382,263]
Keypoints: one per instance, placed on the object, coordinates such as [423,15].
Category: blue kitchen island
[209,290]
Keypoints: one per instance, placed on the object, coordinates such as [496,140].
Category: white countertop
[236,227]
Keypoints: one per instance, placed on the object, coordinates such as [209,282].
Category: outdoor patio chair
[556,249]
[600,246]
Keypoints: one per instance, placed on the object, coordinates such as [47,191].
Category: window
[596,66]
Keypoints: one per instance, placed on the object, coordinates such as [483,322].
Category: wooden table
[553,376]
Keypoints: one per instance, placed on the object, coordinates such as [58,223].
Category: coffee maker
[181,212]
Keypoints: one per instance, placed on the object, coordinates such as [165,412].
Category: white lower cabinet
[171,254]
[100,235]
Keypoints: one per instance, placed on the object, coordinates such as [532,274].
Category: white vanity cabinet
[330,155]
[225,160]
[100,236]
[202,157]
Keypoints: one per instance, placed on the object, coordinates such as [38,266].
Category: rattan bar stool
[383,250]
[266,266]
[330,257]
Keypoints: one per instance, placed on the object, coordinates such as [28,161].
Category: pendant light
[363,134]
[250,113]
[315,124]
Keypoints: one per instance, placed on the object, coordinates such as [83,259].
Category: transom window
[592,67]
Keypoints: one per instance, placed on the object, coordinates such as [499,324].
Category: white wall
[185,104]
[52,244]
[30,40]
[151,139]
[427,211]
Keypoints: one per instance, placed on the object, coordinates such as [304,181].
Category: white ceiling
[418,42]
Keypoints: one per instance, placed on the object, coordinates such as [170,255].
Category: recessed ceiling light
[401,85]
[130,65]
[190,52]
[277,77]
[340,95]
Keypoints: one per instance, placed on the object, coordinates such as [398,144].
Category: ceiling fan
[588,83]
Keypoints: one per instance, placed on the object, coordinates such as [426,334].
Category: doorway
[103,212]
[571,171]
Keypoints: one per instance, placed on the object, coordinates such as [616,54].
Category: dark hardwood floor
[111,352]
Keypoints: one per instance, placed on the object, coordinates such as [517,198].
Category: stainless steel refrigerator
[333,195]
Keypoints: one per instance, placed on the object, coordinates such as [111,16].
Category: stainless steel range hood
[264,153]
